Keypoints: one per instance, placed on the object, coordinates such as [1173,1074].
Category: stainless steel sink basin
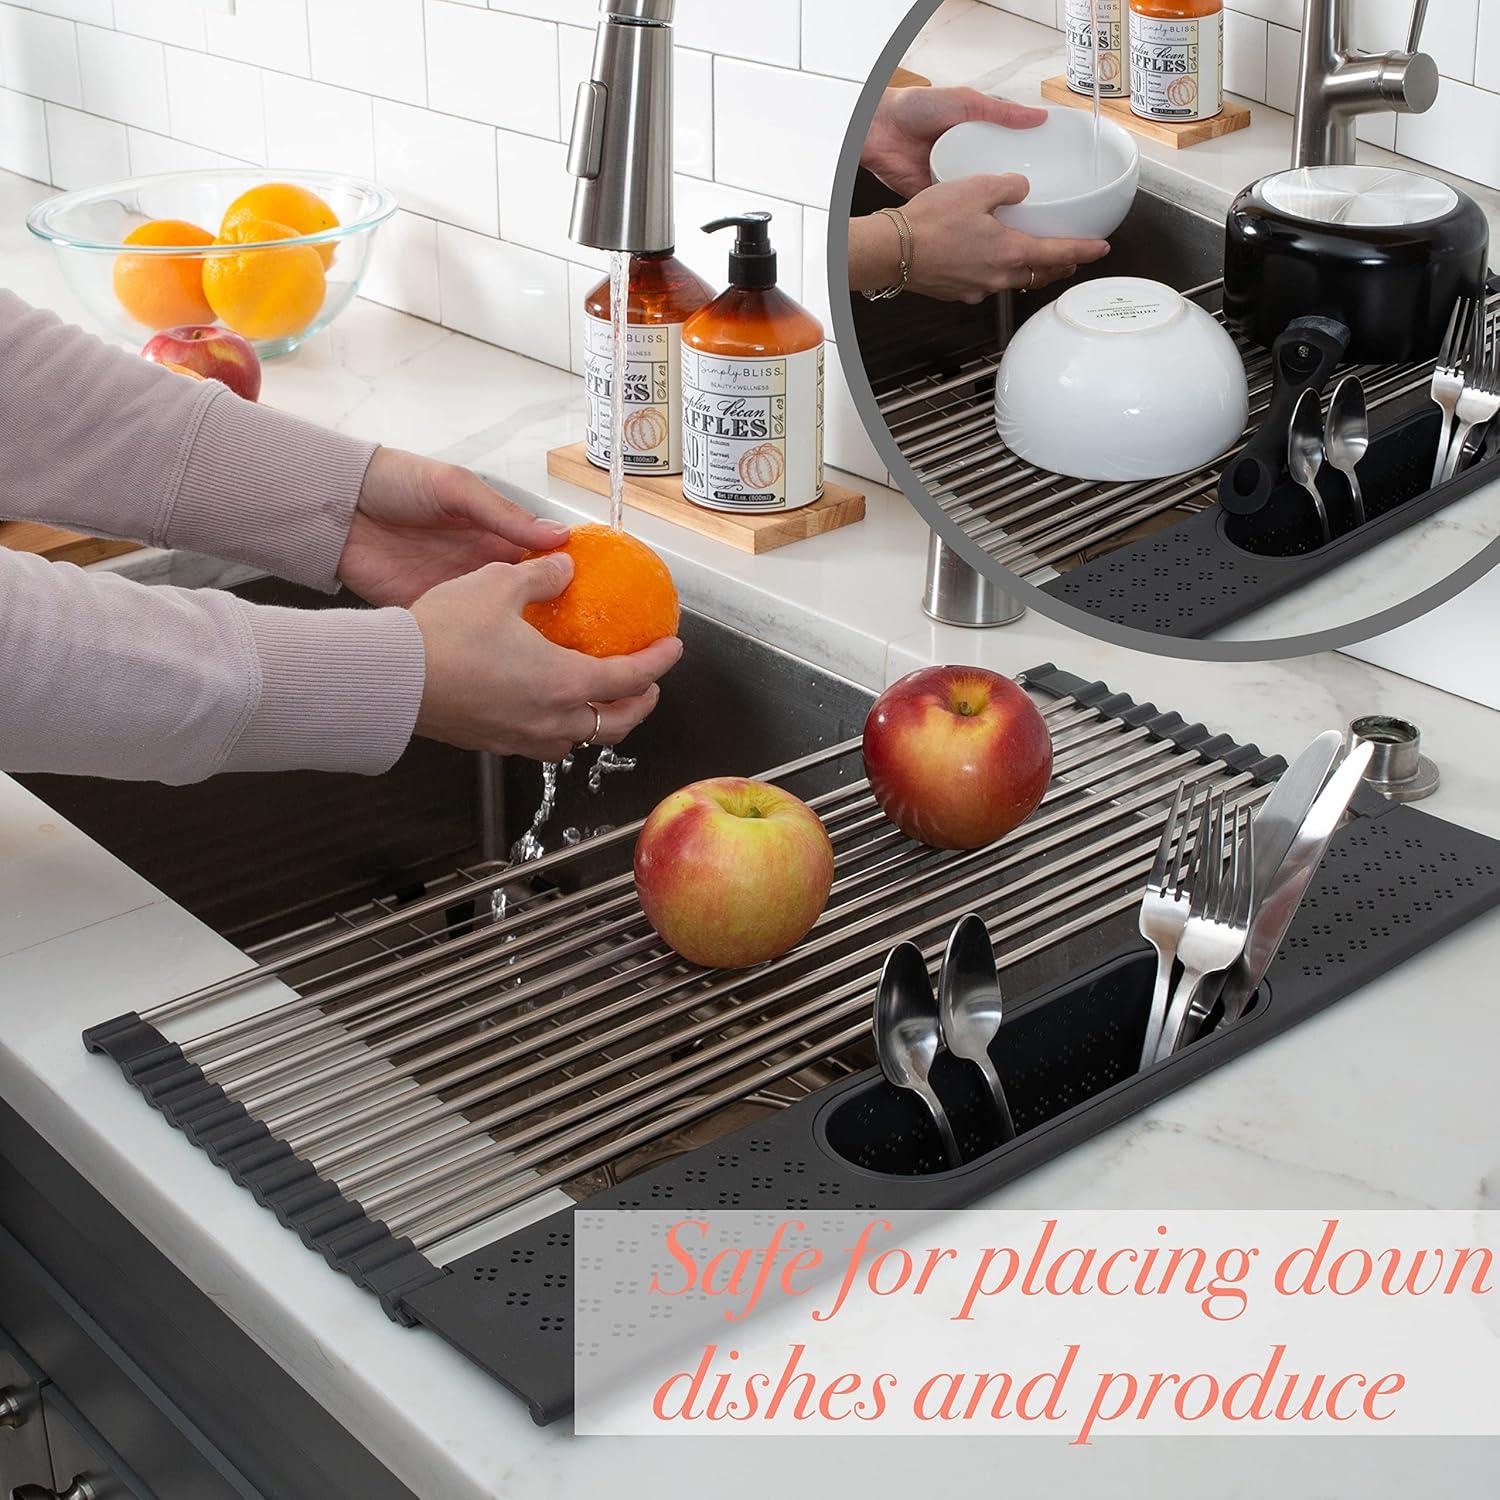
[259,856]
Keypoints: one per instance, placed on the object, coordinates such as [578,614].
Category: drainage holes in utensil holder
[1056,1054]
[1396,472]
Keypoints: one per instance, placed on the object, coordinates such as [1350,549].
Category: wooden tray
[663,498]
[60,546]
[1190,133]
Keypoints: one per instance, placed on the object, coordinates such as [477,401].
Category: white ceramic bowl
[1067,199]
[1121,379]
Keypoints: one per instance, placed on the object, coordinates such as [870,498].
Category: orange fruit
[162,291]
[298,208]
[268,293]
[621,599]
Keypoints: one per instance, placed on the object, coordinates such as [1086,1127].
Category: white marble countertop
[968,42]
[82,938]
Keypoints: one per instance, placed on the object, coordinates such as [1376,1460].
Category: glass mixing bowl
[87,229]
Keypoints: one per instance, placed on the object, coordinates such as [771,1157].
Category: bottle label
[752,431]
[1079,21]
[1176,67]
[653,395]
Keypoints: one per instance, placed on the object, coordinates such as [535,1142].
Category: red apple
[733,872]
[957,756]
[215,353]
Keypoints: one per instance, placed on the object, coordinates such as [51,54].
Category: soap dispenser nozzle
[621,151]
[752,262]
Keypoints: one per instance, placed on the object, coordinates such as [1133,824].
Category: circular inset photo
[1149,359]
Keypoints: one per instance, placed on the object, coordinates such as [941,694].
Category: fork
[1218,912]
[1164,910]
[1448,375]
[1480,399]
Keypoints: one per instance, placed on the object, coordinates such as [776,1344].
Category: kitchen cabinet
[23,1429]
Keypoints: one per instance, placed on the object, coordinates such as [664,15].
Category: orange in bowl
[163,290]
[621,599]
[299,208]
[272,292]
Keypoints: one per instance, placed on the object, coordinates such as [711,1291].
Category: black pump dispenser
[752,263]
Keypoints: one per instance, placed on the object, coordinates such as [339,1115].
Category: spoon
[969,1006]
[1348,435]
[907,1037]
[1304,452]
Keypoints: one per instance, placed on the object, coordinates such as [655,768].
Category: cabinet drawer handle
[80,1489]
[14,1406]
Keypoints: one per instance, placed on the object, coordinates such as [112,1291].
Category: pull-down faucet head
[621,151]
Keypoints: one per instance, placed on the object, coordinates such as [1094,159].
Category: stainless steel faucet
[621,150]
[1336,82]
[957,594]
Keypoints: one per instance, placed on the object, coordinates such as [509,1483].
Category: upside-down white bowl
[1067,199]
[1121,379]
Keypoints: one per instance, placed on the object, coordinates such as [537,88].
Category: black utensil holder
[1194,578]
[1069,1045]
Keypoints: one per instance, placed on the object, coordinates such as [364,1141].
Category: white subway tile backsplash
[504,294]
[536,197]
[1460,133]
[1448,34]
[693,135]
[177,21]
[318,127]
[39,55]
[216,103]
[124,77]
[1044,11]
[1244,55]
[570,12]
[846,37]
[272,33]
[403,268]
[85,150]
[97,12]
[492,66]
[150,152]
[779,131]
[762,30]
[699,202]
[438,165]
[1487,47]
[376,46]
[815,287]
[1281,67]
[1278,12]
[23,136]
[846,443]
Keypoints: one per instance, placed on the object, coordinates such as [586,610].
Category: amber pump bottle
[1177,59]
[664,294]
[752,387]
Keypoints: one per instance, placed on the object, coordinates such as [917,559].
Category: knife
[1289,802]
[1308,846]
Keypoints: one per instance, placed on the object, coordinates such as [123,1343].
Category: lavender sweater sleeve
[111,678]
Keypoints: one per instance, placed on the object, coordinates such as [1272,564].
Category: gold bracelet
[908,256]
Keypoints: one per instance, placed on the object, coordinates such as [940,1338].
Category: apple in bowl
[210,351]
[957,756]
[733,872]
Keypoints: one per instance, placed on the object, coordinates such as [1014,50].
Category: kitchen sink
[259,856]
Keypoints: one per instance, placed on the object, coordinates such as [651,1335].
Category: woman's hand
[960,251]
[908,121]
[420,523]
[493,683]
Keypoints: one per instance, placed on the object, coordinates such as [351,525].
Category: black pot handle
[1304,356]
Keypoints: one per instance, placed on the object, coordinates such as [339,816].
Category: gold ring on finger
[593,738]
